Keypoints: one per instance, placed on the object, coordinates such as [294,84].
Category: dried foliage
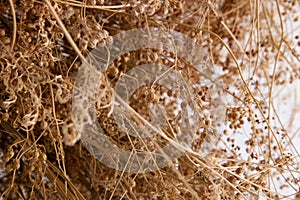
[254,47]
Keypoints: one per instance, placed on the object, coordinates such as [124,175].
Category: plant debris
[254,46]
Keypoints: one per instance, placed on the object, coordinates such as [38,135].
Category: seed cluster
[254,47]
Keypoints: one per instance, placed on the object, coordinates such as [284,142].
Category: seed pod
[16,164]
[113,72]
[9,154]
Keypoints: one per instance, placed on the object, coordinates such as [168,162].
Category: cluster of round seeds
[255,50]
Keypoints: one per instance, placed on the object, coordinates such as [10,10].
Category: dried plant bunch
[254,49]
[145,98]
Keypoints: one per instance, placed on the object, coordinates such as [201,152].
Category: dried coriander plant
[254,46]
